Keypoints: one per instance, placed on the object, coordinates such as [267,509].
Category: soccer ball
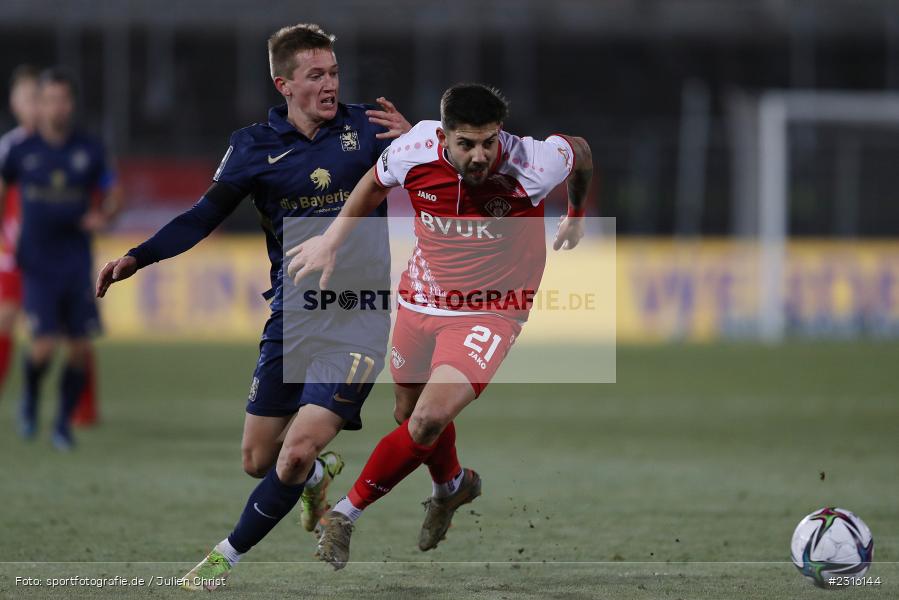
[832,542]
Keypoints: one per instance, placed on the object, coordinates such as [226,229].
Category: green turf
[683,480]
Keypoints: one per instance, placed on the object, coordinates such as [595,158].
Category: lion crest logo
[321,178]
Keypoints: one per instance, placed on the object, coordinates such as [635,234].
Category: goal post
[777,110]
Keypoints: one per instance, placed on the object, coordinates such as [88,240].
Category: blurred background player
[23,105]
[311,147]
[58,169]
[476,177]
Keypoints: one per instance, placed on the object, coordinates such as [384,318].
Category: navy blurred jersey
[56,187]
[288,175]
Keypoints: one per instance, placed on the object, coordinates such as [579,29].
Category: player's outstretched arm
[180,234]
[571,227]
[319,253]
[390,118]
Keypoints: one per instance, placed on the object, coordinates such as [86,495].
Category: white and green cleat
[315,497]
[209,574]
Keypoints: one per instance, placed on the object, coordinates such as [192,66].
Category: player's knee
[425,426]
[296,459]
[401,413]
[254,465]
[78,353]
[41,350]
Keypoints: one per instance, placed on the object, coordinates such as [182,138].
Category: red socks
[443,462]
[5,355]
[395,456]
[86,409]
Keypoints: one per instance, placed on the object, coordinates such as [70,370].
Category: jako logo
[463,227]
[427,196]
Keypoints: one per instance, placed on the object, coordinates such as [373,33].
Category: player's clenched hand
[571,230]
[390,118]
[315,254]
[115,270]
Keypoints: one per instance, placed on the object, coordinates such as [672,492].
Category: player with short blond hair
[300,164]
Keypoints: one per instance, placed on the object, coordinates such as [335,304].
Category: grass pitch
[683,480]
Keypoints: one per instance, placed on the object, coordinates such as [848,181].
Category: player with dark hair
[23,105]
[302,163]
[477,192]
[58,169]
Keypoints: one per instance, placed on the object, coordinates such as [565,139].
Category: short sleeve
[415,147]
[236,167]
[540,165]
[554,159]
[384,166]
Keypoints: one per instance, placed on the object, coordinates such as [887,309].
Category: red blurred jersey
[10,219]
[474,251]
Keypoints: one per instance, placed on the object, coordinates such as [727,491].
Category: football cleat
[334,543]
[315,497]
[439,511]
[62,439]
[209,574]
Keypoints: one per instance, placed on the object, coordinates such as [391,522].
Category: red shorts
[10,286]
[474,344]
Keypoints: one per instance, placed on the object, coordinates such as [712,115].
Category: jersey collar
[277,120]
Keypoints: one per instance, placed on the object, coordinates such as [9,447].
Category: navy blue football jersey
[288,175]
[56,186]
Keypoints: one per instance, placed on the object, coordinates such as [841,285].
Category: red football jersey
[478,248]
[10,220]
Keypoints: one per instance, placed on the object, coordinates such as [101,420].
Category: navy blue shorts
[337,377]
[60,305]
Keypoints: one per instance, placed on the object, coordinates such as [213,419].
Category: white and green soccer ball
[832,543]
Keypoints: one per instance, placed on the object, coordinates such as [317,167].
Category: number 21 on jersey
[480,335]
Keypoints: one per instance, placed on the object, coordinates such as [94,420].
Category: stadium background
[703,421]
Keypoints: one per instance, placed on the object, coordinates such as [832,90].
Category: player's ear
[281,85]
[441,137]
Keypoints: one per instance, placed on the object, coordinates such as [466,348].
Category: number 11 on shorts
[479,333]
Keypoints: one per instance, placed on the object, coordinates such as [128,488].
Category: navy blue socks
[269,503]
